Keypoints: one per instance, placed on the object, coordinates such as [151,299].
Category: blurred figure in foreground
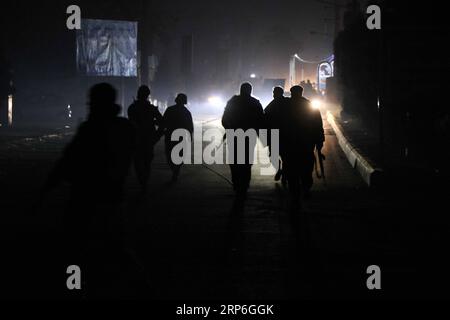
[97,160]
[176,117]
[273,118]
[243,112]
[147,121]
[95,164]
[301,133]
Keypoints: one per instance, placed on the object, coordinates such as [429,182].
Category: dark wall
[405,65]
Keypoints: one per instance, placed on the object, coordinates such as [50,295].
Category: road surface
[185,241]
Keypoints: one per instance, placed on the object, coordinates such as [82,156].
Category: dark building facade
[395,80]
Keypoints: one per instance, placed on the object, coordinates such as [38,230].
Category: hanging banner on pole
[107,48]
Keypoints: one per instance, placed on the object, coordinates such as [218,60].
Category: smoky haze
[231,40]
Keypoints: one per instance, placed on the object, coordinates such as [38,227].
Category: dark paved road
[185,241]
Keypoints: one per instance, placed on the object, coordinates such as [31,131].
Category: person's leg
[240,176]
[243,172]
[151,156]
[283,175]
[236,176]
[176,168]
[279,173]
[246,176]
[176,172]
[293,180]
[147,166]
[291,172]
[233,176]
[169,157]
[139,166]
[246,169]
[306,172]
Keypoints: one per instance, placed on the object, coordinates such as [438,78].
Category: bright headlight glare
[215,101]
[316,104]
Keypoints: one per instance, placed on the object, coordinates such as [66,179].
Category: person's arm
[62,170]
[260,118]
[130,113]
[159,121]
[165,121]
[320,133]
[190,124]
[158,117]
[268,124]
[226,118]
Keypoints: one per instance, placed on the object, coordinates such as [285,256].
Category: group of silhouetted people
[96,162]
[150,126]
[300,131]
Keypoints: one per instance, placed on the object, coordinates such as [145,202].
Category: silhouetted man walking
[273,120]
[97,160]
[301,132]
[95,164]
[176,117]
[145,118]
[243,112]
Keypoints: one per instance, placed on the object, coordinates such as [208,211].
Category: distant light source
[253,76]
[69,110]
[10,110]
[316,104]
[215,101]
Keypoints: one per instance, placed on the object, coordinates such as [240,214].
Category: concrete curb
[358,162]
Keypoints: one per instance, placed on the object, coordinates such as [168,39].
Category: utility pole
[144,52]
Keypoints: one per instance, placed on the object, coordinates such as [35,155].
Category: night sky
[255,37]
[270,31]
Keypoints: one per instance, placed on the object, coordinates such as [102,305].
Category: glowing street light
[253,76]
